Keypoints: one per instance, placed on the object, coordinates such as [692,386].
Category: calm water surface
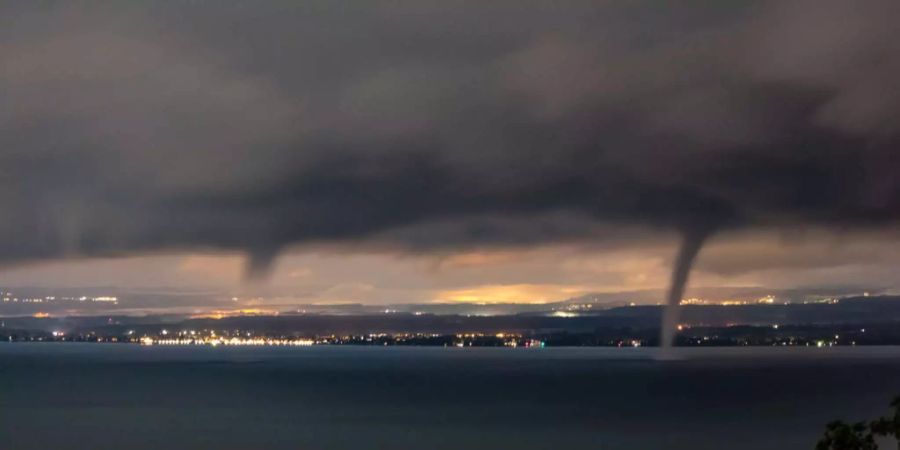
[107,396]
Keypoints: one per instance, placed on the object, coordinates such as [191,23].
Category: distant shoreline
[883,334]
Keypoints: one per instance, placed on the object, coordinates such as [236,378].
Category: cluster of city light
[529,343]
[221,314]
[234,341]
[512,340]
[8,298]
[580,307]
[765,300]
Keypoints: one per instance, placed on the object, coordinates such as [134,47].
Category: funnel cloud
[681,269]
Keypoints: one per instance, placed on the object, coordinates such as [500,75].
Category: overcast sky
[454,151]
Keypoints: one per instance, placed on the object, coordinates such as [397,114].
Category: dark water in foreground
[96,396]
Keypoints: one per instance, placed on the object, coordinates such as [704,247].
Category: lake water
[108,396]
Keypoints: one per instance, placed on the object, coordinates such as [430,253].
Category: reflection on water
[123,396]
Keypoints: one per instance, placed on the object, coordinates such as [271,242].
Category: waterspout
[691,243]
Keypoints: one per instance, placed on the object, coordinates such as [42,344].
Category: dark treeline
[840,435]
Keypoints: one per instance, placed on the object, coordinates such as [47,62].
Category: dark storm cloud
[128,127]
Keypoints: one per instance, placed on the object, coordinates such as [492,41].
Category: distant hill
[855,310]
[845,311]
